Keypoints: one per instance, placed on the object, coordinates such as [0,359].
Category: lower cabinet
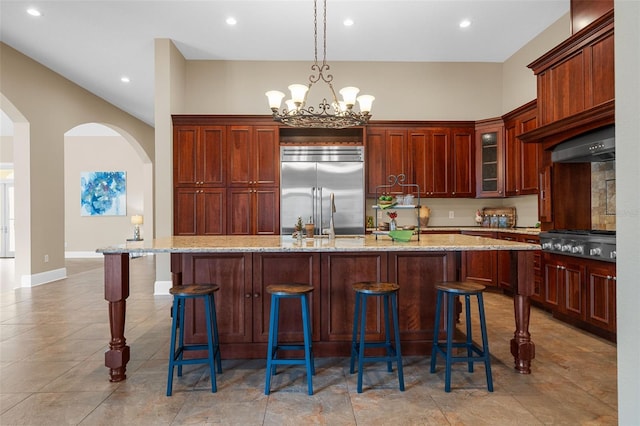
[199,211]
[252,211]
[243,305]
[581,291]
[480,266]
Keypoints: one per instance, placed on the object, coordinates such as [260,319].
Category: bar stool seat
[176,356]
[474,353]
[283,291]
[389,292]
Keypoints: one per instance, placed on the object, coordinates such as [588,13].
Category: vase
[392,225]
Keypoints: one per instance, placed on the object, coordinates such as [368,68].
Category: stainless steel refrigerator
[309,175]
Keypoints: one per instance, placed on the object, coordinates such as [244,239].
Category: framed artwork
[103,193]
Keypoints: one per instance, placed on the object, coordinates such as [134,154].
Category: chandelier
[337,114]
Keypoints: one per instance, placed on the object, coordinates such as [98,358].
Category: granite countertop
[525,231]
[277,243]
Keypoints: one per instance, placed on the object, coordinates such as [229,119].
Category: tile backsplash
[603,196]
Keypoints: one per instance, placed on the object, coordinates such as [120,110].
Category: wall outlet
[451,214]
[46,258]
[379,215]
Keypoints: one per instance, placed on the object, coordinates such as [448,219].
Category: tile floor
[53,338]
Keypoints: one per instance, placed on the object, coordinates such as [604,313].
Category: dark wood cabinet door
[480,266]
[375,166]
[396,159]
[339,272]
[553,285]
[265,150]
[462,182]
[545,200]
[211,211]
[240,162]
[199,155]
[490,160]
[240,211]
[417,275]
[601,295]
[530,156]
[277,268]
[574,290]
[266,211]
[512,167]
[504,262]
[430,155]
[185,208]
[185,155]
[233,273]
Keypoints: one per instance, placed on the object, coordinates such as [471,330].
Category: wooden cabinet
[582,291]
[253,156]
[386,154]
[545,203]
[490,159]
[199,156]
[440,159]
[275,268]
[199,211]
[226,176]
[340,271]
[504,264]
[252,211]
[522,160]
[601,295]
[480,266]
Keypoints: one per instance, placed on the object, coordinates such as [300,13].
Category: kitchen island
[244,265]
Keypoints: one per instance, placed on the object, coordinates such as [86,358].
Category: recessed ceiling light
[348,22]
[465,23]
[125,79]
[231,21]
[34,12]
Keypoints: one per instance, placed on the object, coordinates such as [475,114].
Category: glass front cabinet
[490,159]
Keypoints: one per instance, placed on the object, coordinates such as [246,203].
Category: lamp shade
[365,102]
[349,95]
[275,98]
[298,92]
[137,220]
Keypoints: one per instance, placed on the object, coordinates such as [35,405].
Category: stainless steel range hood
[595,146]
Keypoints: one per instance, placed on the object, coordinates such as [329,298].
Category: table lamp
[136,221]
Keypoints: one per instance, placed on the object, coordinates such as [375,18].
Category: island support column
[522,280]
[116,291]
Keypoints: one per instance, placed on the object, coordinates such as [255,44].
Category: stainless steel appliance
[595,146]
[593,244]
[310,175]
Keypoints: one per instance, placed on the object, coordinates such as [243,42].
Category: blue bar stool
[288,291]
[389,294]
[474,353]
[176,355]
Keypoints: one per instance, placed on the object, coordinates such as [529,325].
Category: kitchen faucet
[332,229]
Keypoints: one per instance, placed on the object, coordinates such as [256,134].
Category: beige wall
[45,106]
[519,82]
[99,153]
[6,149]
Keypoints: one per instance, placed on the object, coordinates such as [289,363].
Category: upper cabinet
[437,158]
[199,155]
[253,156]
[490,159]
[576,86]
[522,161]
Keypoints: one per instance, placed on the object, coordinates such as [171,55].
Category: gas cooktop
[590,244]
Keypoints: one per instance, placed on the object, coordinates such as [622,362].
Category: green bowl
[401,235]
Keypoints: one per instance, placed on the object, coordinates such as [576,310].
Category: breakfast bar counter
[244,265]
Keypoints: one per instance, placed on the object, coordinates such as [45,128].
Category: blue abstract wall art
[103,194]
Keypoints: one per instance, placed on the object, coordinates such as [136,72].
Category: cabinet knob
[247,296]
[256,295]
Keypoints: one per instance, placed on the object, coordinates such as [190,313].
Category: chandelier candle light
[338,114]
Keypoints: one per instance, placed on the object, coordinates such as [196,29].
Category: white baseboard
[161,288]
[43,277]
[81,254]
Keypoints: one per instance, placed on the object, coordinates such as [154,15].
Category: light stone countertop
[524,231]
[277,243]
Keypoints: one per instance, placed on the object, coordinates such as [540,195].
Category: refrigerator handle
[319,224]
[313,203]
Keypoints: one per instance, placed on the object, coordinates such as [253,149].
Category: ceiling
[95,42]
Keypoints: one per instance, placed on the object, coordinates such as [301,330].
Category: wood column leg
[116,291]
[522,348]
